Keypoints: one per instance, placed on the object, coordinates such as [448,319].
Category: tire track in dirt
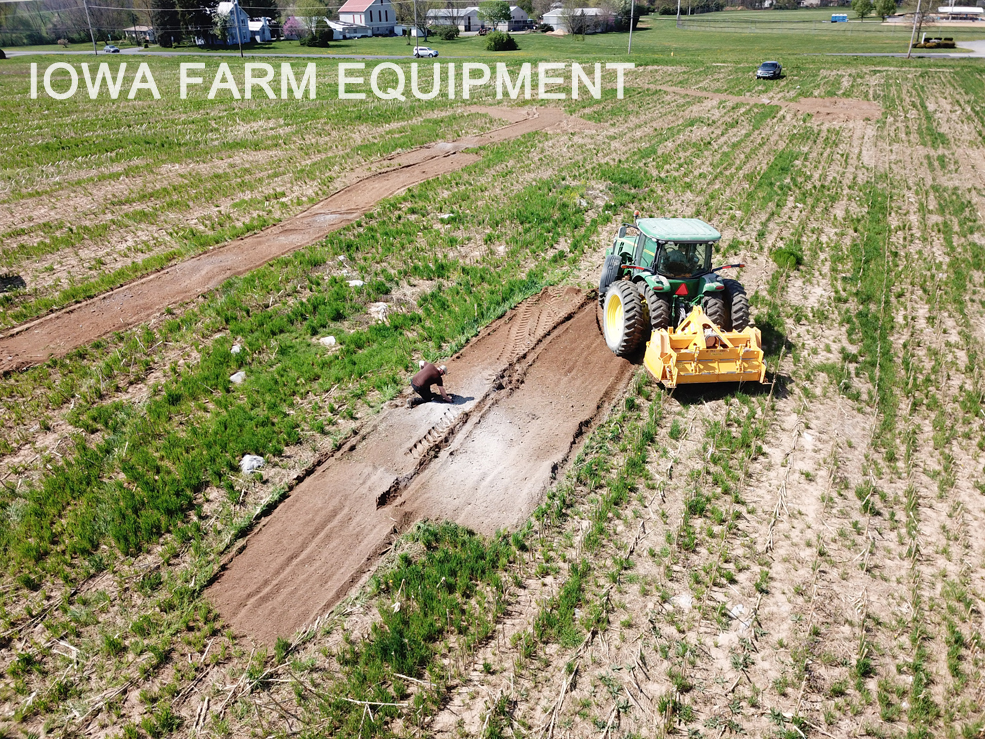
[58,333]
[523,399]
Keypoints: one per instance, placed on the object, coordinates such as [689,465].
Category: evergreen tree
[166,22]
[196,17]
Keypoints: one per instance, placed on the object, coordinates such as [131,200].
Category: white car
[110,49]
[422,51]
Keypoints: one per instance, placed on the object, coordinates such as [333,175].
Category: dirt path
[525,391]
[57,334]
[824,109]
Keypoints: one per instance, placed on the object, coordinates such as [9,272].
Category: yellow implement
[698,351]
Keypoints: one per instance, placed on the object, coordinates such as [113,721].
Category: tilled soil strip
[827,109]
[57,334]
[526,390]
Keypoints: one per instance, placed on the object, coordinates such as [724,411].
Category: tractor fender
[658,283]
[711,284]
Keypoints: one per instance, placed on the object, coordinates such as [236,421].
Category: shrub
[787,258]
[499,41]
[63,42]
[2,55]
[320,37]
[445,33]
[710,6]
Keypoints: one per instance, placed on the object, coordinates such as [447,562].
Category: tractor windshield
[683,260]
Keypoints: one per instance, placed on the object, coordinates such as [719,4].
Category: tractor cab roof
[677,229]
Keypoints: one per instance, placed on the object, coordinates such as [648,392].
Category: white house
[348,30]
[140,34]
[236,16]
[260,30]
[467,19]
[377,15]
[519,20]
[580,20]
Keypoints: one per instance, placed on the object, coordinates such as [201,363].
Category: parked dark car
[769,71]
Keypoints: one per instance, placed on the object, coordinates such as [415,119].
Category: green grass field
[842,504]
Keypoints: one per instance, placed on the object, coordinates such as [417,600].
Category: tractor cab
[677,248]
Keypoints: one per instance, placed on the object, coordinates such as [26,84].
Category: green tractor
[656,272]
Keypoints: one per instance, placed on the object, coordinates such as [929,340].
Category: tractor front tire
[714,308]
[738,305]
[622,318]
[658,309]
[610,273]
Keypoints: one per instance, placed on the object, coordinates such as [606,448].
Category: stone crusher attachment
[659,289]
[698,351]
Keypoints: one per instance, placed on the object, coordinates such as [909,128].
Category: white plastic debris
[250,463]
[378,311]
[238,378]
[446,216]
[421,363]
[236,349]
[342,258]
[684,601]
[396,606]
[327,341]
[356,283]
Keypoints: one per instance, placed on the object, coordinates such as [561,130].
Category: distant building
[348,30]
[519,20]
[580,20]
[377,15]
[260,30]
[237,17]
[961,13]
[469,19]
[140,34]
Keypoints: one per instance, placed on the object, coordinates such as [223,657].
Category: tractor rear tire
[714,308]
[610,273]
[738,305]
[658,309]
[622,318]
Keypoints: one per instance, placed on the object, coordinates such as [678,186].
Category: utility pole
[238,39]
[916,16]
[632,16]
[89,23]
[416,40]
[678,13]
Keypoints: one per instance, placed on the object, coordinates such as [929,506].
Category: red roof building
[377,15]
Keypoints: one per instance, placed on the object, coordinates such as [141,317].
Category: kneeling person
[423,380]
